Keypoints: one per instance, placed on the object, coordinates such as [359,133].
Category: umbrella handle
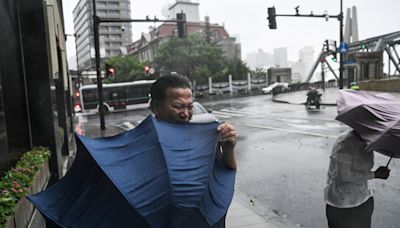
[389,160]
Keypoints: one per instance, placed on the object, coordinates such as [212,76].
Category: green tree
[260,73]
[193,57]
[238,69]
[127,68]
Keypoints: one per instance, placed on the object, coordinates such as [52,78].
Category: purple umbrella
[375,117]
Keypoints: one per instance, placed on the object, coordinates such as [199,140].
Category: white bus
[116,96]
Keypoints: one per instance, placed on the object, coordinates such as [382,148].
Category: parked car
[268,89]
[202,114]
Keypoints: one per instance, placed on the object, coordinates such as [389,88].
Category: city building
[259,59]
[114,36]
[191,9]
[35,91]
[279,74]
[280,57]
[298,71]
[145,48]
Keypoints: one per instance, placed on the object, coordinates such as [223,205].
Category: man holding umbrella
[172,101]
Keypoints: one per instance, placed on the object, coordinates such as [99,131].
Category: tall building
[280,56]
[190,8]
[114,37]
[306,55]
[259,59]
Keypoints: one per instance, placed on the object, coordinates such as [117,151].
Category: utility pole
[272,25]
[182,32]
[340,43]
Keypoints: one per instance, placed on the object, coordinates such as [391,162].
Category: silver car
[201,114]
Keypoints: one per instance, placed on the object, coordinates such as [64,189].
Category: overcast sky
[247,21]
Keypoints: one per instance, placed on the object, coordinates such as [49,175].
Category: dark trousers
[355,217]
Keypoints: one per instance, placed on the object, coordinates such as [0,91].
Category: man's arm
[228,141]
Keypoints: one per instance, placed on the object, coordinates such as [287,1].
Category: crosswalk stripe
[292,131]
[223,113]
[253,111]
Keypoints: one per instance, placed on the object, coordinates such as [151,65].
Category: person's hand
[228,134]
[382,172]
[228,139]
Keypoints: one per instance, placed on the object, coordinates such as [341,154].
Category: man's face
[177,106]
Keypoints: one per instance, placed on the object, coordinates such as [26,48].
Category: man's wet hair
[158,90]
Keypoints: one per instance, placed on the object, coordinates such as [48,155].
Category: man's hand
[382,172]
[228,139]
[228,134]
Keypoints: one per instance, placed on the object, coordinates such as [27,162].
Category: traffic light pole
[340,43]
[96,22]
[272,25]
[97,57]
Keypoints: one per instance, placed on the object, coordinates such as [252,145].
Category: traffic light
[363,46]
[110,71]
[146,70]
[326,45]
[334,59]
[271,18]
[334,52]
[181,24]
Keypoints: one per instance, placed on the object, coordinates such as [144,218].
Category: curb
[288,102]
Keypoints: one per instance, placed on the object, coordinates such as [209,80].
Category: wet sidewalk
[242,215]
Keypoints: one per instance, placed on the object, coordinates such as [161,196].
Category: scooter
[313,99]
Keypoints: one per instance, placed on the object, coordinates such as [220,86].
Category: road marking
[229,112]
[292,131]
[226,113]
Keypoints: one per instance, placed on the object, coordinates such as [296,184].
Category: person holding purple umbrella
[349,202]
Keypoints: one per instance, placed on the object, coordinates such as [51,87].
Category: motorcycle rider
[313,97]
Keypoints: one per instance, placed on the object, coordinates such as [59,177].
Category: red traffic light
[110,71]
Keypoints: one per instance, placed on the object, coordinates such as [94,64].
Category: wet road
[283,154]
[283,158]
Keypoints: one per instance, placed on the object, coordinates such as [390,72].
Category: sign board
[350,61]
[343,47]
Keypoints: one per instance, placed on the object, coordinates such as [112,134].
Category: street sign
[350,61]
[343,47]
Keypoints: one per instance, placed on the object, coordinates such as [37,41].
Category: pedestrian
[172,101]
[349,202]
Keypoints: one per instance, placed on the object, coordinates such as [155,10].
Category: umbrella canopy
[158,174]
[375,117]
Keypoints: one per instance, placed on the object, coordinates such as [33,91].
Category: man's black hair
[158,90]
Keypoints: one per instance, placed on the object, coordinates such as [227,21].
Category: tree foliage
[193,57]
[127,68]
[238,69]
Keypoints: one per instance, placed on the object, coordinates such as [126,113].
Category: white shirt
[349,172]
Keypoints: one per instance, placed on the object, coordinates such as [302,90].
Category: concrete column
[248,82]
[230,84]
[210,85]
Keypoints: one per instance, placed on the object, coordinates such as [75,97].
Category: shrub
[16,182]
